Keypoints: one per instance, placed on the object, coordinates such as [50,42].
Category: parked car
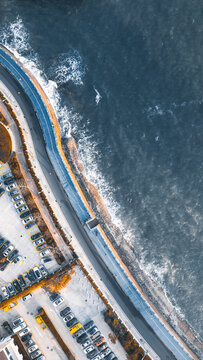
[36,236]
[92,354]
[89,325]
[29,342]
[78,333]
[17,286]
[19,203]
[68,317]
[8,251]
[13,193]
[37,272]
[8,327]
[97,357]
[38,242]
[43,270]
[105,352]
[25,214]
[4,247]
[53,297]
[58,301]
[19,327]
[17,197]
[28,219]
[41,247]
[24,331]
[85,343]
[65,311]
[72,322]
[111,356]
[11,187]
[22,281]
[32,275]
[81,338]
[7,175]
[9,181]
[17,321]
[11,289]
[16,259]
[27,278]
[4,265]
[102,347]
[5,292]
[41,357]
[32,348]
[93,330]
[44,253]
[99,341]
[35,354]
[26,337]
[27,297]
[2,241]
[29,225]
[47,259]
[89,349]
[22,209]
[13,254]
[95,336]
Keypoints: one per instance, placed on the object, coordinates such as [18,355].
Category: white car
[17,321]
[38,242]
[35,354]
[17,197]
[58,301]
[88,349]
[26,297]
[68,317]
[24,331]
[87,343]
[5,292]
[32,348]
[19,327]
[22,209]
[28,219]
[8,251]
[37,272]
[43,270]
[19,203]
[44,253]
[11,187]
[97,357]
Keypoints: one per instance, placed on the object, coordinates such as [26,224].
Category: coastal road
[40,148]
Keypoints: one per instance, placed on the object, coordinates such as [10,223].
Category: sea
[125,78]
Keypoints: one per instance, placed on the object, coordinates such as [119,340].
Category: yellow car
[41,322]
[75,328]
[10,306]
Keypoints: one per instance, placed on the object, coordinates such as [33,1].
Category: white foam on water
[98,97]
[69,68]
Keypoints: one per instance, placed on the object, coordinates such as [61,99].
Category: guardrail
[168,336]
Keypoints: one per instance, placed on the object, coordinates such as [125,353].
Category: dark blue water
[130,80]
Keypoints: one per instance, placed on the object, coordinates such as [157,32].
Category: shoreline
[153,291]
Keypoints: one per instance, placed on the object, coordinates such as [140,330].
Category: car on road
[22,281]
[5,292]
[11,289]
[9,181]
[13,193]
[24,331]
[32,348]
[26,337]
[8,251]
[85,343]
[17,285]
[82,338]
[43,270]
[44,253]
[41,247]
[89,325]
[105,352]
[27,297]
[35,354]
[4,247]
[89,349]
[29,225]
[36,236]
[38,242]
[68,317]
[22,208]
[29,342]
[93,330]
[16,259]
[4,265]
[11,187]
[28,219]
[25,214]
[19,203]
[13,254]
[99,341]
[65,311]
[37,272]
[17,197]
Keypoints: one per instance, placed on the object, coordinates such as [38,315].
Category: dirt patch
[5,144]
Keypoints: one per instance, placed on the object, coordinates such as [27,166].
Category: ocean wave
[69,68]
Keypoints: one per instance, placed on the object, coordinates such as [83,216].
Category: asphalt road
[120,297]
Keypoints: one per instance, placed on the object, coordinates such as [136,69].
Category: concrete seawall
[51,133]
